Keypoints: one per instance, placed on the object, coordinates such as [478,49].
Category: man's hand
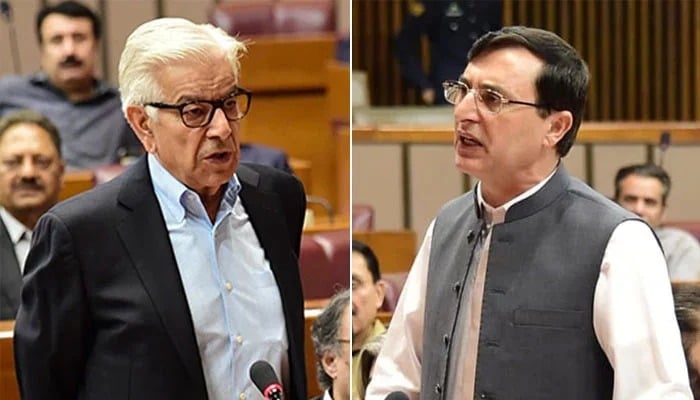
[428,96]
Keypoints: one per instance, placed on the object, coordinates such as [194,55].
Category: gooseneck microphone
[397,395]
[6,12]
[263,376]
[664,143]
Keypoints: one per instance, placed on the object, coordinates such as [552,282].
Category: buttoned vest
[536,339]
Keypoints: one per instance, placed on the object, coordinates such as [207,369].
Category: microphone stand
[6,12]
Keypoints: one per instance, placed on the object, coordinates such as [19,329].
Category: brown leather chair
[362,217]
[324,263]
[274,17]
[393,283]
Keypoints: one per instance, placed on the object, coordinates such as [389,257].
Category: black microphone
[664,143]
[397,395]
[6,12]
[263,376]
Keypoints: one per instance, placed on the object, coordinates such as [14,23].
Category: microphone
[664,143]
[323,202]
[265,379]
[397,395]
[6,12]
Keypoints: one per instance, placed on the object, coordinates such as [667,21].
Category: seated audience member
[331,337]
[259,154]
[368,355]
[367,298]
[86,110]
[686,296]
[643,189]
[31,176]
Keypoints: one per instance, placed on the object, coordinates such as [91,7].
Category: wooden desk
[323,224]
[395,250]
[288,77]
[387,131]
[75,182]
[8,380]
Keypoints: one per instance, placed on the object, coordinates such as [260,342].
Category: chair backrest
[362,217]
[324,263]
[393,282]
[274,17]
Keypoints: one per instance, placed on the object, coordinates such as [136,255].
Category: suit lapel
[10,276]
[146,239]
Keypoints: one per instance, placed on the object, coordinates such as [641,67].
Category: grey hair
[324,334]
[163,41]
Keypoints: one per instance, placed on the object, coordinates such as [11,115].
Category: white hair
[163,41]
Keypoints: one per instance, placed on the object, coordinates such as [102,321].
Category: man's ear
[559,124]
[141,125]
[380,289]
[329,364]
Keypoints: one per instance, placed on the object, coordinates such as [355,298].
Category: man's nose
[220,126]
[466,109]
[28,168]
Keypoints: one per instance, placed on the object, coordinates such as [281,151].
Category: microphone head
[397,395]
[665,140]
[263,376]
[6,10]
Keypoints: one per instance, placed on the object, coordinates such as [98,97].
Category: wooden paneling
[8,379]
[395,250]
[642,54]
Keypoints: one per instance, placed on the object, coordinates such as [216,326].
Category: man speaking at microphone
[171,280]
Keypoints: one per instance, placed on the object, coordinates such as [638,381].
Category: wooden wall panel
[642,54]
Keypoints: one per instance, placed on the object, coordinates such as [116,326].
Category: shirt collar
[15,228]
[174,193]
[487,208]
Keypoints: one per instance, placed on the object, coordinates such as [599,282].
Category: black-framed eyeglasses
[196,114]
[456,91]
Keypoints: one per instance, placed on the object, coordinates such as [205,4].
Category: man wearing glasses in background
[533,285]
[330,334]
[171,280]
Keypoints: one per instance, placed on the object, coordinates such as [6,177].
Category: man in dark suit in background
[171,280]
[451,27]
[31,176]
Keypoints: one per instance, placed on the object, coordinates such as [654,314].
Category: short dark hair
[563,81]
[324,334]
[686,297]
[370,258]
[648,170]
[33,118]
[71,9]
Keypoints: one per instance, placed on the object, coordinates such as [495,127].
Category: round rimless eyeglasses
[492,101]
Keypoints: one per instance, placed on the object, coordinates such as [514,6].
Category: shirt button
[229,286]
[239,339]
[242,396]
[483,395]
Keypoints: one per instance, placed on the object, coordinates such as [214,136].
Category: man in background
[86,110]
[31,177]
[644,189]
[367,298]
[451,28]
[331,338]
[686,296]
[169,281]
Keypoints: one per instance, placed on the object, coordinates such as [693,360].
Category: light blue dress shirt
[232,294]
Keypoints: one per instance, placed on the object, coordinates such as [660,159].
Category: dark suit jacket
[103,312]
[10,276]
